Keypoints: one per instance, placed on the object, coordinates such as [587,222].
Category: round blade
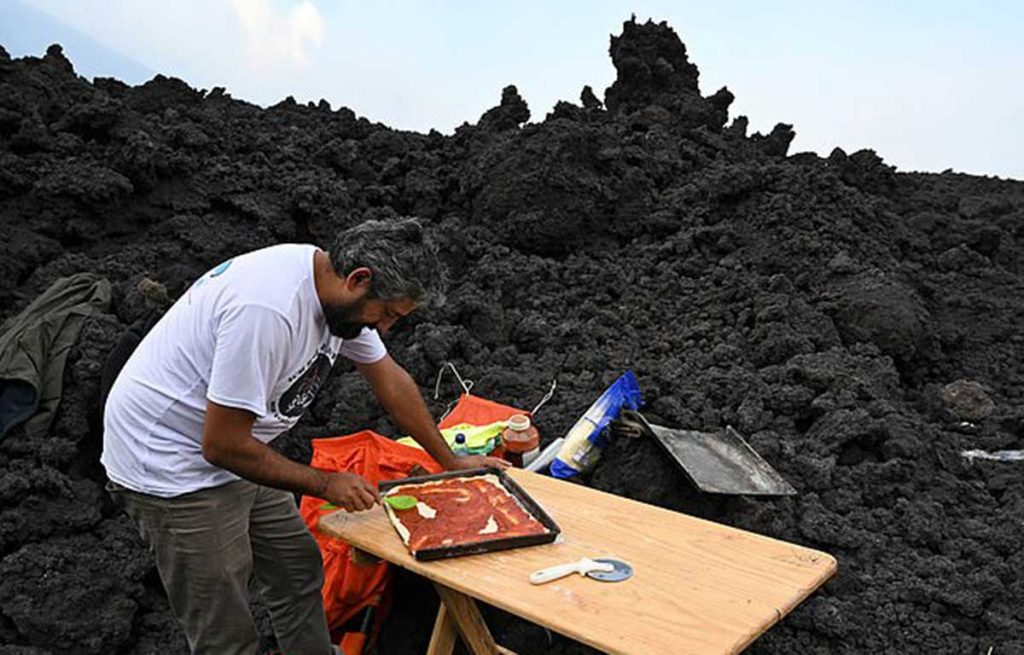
[622,571]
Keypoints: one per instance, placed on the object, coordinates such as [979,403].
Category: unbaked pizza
[459,511]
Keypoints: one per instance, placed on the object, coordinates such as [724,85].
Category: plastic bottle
[460,447]
[521,440]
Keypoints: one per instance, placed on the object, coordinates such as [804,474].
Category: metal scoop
[583,567]
[716,462]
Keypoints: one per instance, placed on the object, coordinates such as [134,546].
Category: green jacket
[34,347]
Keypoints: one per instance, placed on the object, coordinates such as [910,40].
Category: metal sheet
[718,462]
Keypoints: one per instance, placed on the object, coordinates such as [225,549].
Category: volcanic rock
[967,400]
[819,304]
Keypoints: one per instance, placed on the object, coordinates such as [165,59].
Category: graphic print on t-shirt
[221,269]
[303,387]
[217,271]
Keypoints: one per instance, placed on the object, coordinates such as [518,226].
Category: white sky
[928,85]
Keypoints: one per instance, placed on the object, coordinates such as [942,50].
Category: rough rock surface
[821,305]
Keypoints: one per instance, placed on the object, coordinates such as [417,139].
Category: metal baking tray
[487,545]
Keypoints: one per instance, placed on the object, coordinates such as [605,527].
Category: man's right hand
[228,444]
[351,492]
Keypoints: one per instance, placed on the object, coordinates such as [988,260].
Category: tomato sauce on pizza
[460,511]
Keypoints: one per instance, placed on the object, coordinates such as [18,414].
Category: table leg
[460,611]
[442,640]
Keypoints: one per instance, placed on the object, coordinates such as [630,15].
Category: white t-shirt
[249,334]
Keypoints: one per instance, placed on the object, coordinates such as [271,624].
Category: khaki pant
[208,543]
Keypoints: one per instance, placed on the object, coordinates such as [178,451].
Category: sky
[929,86]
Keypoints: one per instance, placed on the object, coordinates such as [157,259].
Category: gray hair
[402,256]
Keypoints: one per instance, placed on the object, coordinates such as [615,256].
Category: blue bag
[588,437]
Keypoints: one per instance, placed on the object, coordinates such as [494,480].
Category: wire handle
[465,384]
[547,397]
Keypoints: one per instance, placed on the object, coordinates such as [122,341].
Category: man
[234,363]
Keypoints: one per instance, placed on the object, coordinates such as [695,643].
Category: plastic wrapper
[997,456]
[588,437]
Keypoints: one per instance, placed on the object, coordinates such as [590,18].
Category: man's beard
[343,320]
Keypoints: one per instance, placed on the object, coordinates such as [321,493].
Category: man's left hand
[478,461]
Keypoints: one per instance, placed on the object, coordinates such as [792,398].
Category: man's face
[346,321]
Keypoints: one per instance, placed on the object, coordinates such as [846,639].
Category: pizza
[460,511]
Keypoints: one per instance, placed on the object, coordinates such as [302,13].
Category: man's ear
[359,279]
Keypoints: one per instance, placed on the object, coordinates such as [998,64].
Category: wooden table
[698,586]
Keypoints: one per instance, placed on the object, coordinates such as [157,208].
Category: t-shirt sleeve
[248,358]
[367,348]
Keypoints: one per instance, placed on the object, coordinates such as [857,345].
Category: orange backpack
[349,587]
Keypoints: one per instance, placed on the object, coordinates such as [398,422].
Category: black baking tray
[490,545]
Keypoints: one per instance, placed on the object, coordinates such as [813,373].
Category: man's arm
[229,444]
[401,398]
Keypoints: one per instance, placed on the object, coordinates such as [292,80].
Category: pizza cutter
[603,568]
[620,571]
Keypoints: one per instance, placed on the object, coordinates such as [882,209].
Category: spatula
[398,502]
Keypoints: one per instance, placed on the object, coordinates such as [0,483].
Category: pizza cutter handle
[554,572]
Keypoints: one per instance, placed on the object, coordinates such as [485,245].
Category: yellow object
[479,439]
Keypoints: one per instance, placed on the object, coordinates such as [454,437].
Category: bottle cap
[519,422]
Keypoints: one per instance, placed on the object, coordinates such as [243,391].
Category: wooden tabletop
[698,586]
